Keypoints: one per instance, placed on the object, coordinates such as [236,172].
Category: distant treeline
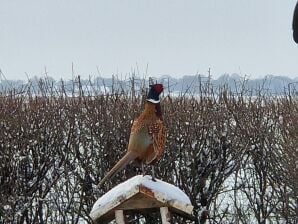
[191,84]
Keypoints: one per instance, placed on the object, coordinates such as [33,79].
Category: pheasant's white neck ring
[153,101]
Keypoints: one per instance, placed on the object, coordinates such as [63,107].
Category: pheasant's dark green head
[154,92]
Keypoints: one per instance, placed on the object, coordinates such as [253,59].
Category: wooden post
[119,217]
[165,215]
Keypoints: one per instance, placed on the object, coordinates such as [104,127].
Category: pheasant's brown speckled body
[149,130]
[147,137]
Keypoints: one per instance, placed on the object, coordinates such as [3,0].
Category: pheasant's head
[154,92]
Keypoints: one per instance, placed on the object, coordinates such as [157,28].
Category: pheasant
[147,137]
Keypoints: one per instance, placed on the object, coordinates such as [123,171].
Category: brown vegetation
[235,155]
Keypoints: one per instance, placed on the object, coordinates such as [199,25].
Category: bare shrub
[234,154]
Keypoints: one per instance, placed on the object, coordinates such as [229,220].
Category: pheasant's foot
[153,174]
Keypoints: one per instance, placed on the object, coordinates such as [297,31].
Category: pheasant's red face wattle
[158,88]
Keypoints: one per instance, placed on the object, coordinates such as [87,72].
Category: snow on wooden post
[119,216]
[140,195]
[165,215]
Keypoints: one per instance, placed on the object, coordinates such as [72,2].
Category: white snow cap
[164,192]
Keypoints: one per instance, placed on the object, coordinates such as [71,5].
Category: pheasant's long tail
[126,159]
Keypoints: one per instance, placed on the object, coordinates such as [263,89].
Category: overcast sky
[249,37]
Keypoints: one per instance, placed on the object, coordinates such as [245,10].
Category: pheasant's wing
[157,132]
[137,124]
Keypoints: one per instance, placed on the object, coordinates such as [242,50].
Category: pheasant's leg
[153,173]
[143,169]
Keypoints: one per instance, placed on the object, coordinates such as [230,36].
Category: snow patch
[162,190]
[169,191]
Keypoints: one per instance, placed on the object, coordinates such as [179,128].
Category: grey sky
[249,37]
